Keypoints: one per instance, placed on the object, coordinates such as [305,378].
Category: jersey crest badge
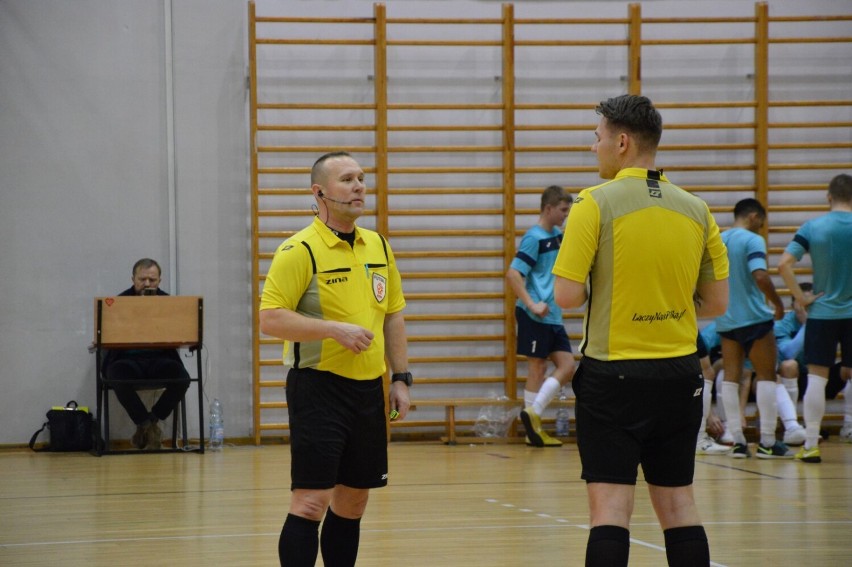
[380,287]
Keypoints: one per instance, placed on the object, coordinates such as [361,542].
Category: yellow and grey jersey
[317,275]
[643,244]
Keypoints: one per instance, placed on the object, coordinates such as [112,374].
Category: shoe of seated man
[809,455]
[846,432]
[777,451]
[536,436]
[706,446]
[795,436]
[153,438]
[138,439]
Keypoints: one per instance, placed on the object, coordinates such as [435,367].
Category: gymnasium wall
[124,133]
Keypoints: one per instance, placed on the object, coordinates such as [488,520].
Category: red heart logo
[109,301]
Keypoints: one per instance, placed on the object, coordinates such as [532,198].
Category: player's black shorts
[822,337]
[338,430]
[746,336]
[538,340]
[625,421]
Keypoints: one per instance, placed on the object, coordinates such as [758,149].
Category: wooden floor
[483,505]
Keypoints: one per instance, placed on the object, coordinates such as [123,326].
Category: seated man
[132,366]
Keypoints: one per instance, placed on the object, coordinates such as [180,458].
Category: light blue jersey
[788,339]
[534,260]
[828,239]
[710,336]
[747,304]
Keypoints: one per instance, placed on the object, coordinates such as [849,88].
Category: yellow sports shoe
[548,440]
[809,455]
[535,434]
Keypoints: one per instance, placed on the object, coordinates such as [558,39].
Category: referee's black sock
[687,547]
[339,540]
[299,542]
[608,546]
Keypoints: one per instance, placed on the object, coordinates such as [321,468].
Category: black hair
[747,206]
[840,188]
[637,115]
[554,195]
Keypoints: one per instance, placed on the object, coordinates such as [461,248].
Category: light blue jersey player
[747,305]
[534,261]
[541,334]
[827,239]
[746,330]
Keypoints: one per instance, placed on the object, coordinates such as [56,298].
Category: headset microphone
[321,196]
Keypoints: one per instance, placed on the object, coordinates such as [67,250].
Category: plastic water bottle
[562,418]
[217,425]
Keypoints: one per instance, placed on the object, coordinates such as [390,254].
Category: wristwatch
[402,377]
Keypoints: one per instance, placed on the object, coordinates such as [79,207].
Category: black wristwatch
[402,377]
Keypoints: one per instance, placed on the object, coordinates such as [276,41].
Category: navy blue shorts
[625,421]
[539,340]
[338,431]
[746,336]
[822,337]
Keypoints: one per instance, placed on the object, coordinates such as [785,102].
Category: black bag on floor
[71,429]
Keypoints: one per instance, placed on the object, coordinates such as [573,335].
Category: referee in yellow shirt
[334,292]
[647,248]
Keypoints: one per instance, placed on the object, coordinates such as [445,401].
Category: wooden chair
[147,322]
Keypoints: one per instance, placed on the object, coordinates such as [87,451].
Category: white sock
[545,394]
[786,408]
[529,398]
[792,386]
[720,405]
[847,403]
[707,399]
[768,408]
[814,409]
[731,402]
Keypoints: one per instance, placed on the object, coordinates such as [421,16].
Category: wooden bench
[450,405]
[830,420]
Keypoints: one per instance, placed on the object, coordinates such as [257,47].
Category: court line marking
[562,521]
[586,527]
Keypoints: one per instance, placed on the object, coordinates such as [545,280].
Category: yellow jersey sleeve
[289,276]
[580,241]
[714,262]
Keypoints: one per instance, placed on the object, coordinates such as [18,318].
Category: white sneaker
[706,446]
[846,432]
[797,436]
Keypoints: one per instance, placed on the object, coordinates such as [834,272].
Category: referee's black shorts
[338,430]
[625,421]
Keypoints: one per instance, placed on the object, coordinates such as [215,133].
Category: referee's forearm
[292,326]
[396,342]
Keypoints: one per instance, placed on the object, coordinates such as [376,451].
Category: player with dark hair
[639,384]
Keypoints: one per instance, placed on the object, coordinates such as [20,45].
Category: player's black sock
[339,540]
[608,546]
[687,547]
[299,542]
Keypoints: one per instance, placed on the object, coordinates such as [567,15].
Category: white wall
[84,188]
[85,174]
